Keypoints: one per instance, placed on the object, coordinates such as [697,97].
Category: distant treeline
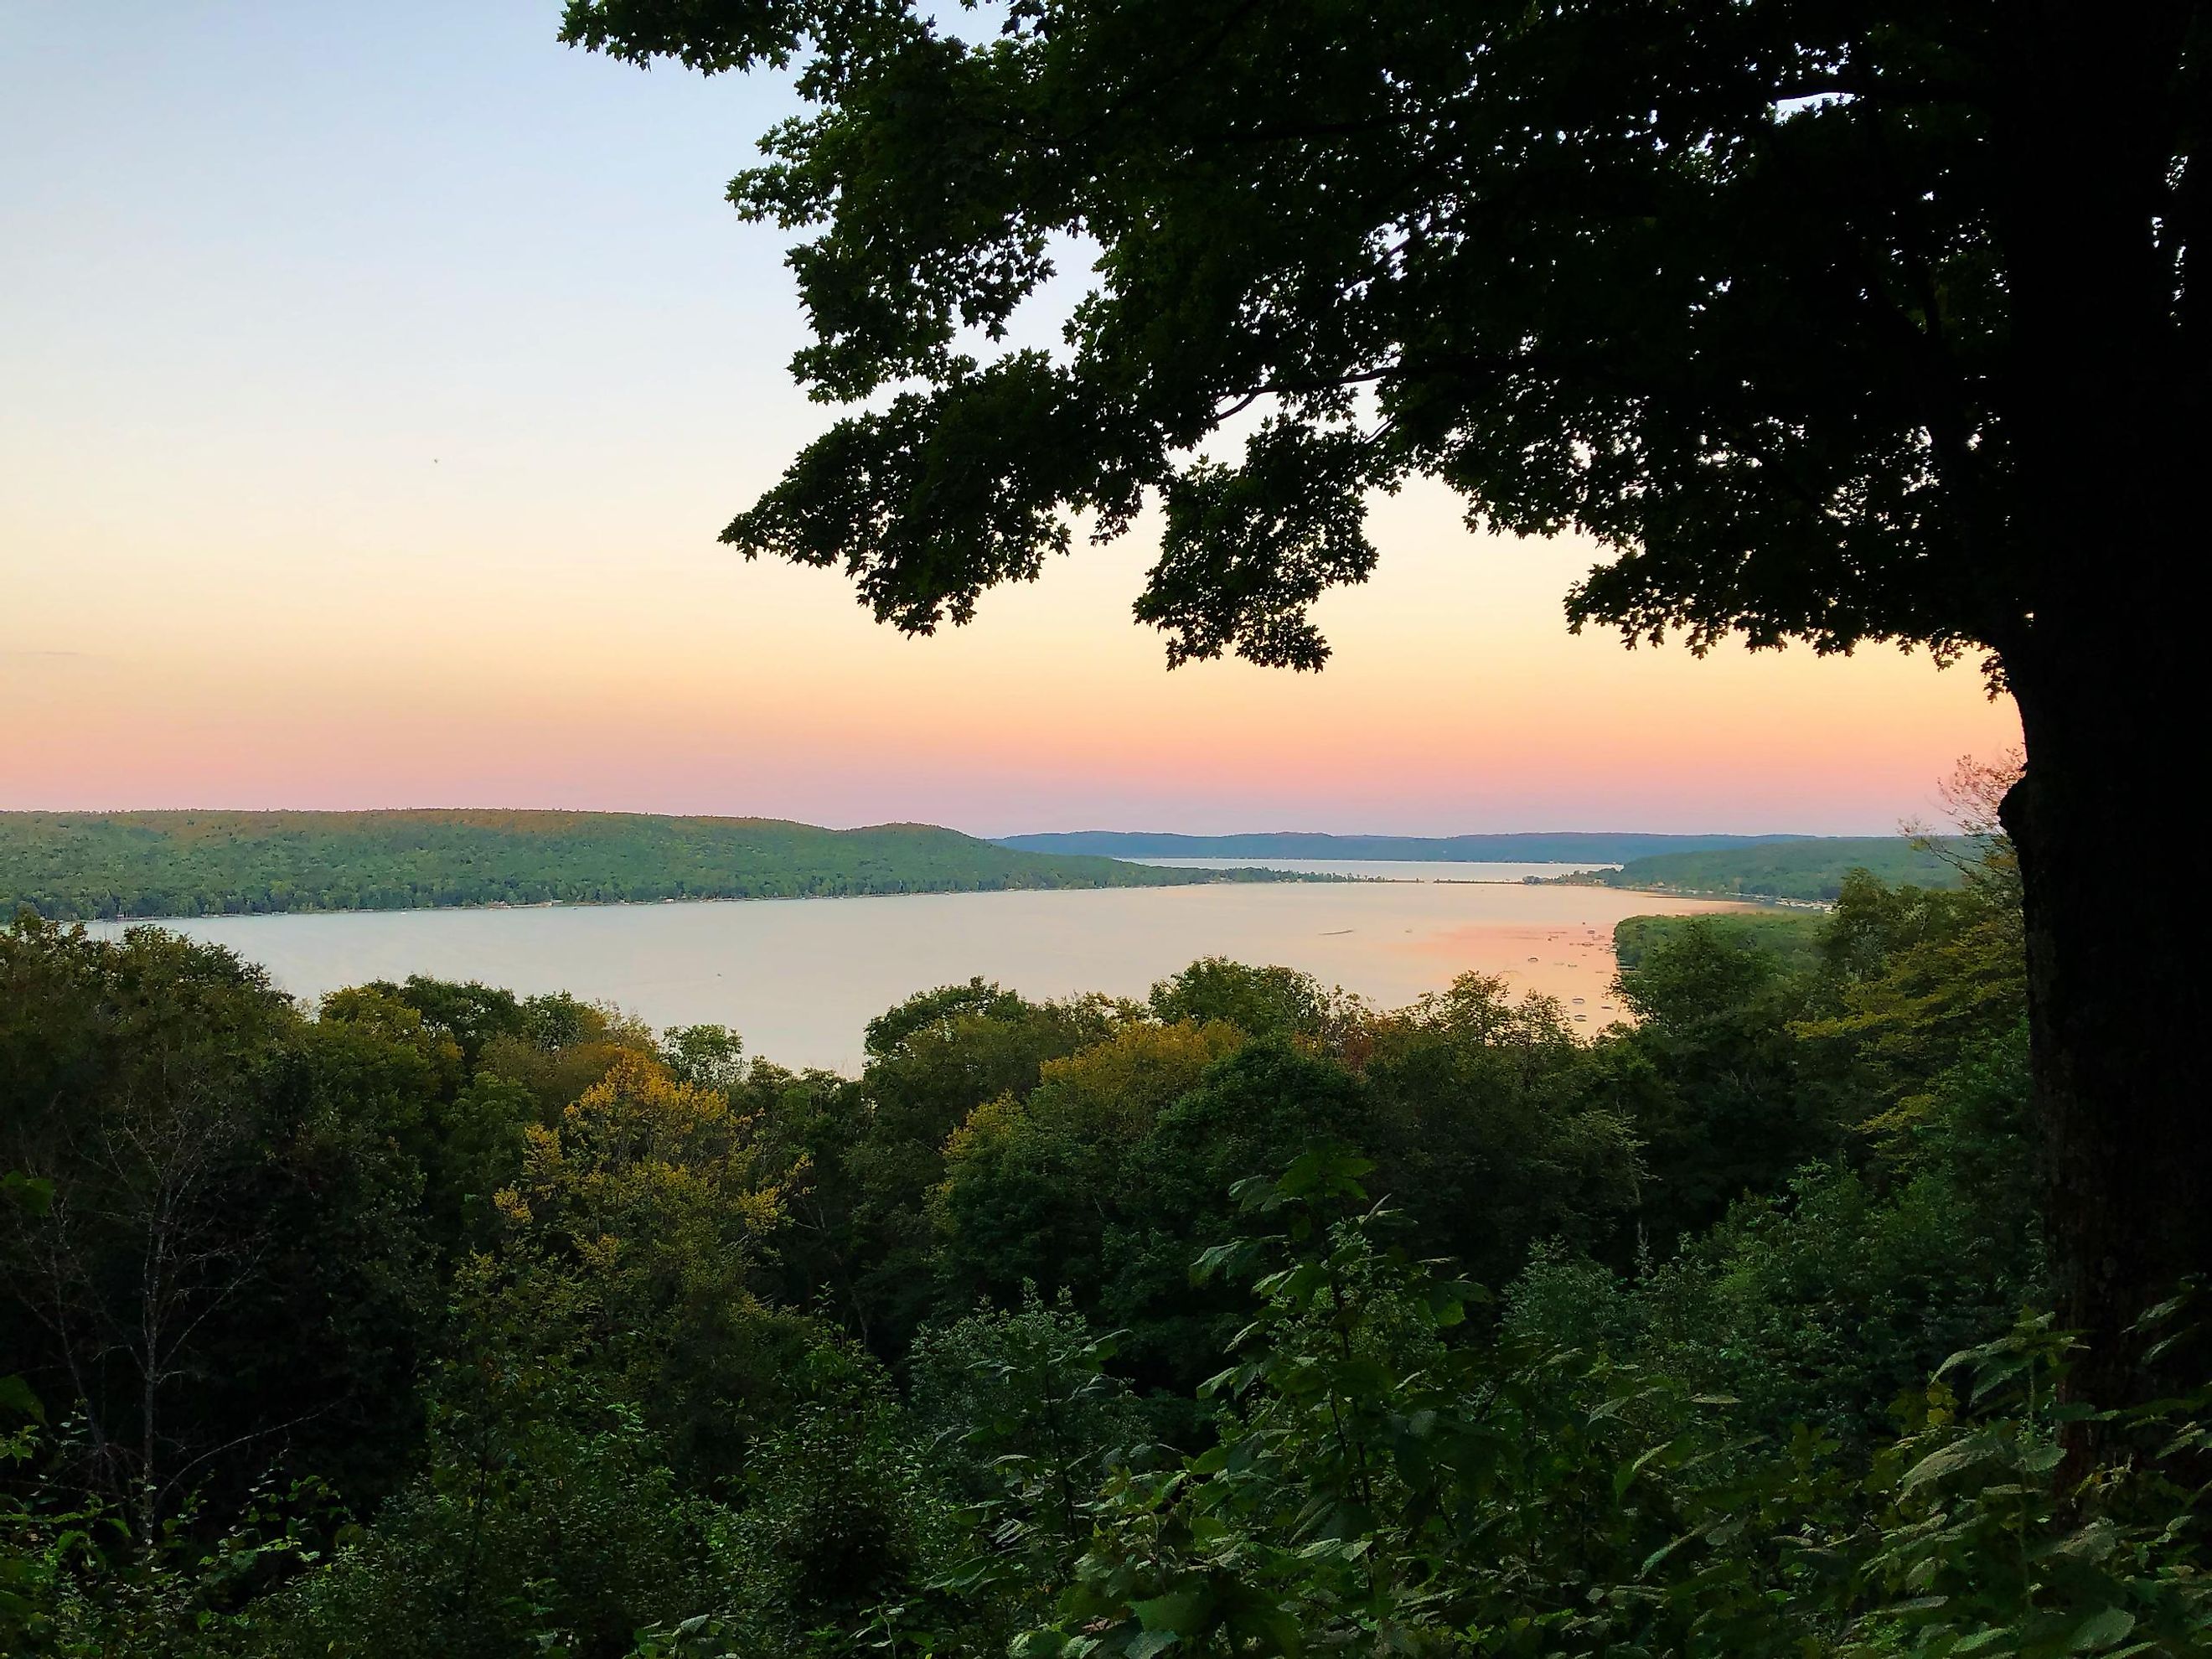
[1550,847]
[80,865]
[1810,869]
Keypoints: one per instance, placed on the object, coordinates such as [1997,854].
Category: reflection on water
[799,978]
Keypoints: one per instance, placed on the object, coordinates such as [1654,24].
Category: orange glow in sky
[378,383]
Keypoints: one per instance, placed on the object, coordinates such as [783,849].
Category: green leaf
[1214,1259]
[1947,1460]
[2159,1313]
[1179,1612]
[15,1394]
[29,1193]
[2102,1630]
[1625,1476]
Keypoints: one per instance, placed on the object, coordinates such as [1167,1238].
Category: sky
[377,381]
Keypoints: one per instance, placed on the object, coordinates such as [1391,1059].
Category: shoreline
[1769,900]
[1284,879]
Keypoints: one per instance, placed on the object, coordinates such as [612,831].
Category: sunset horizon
[356,460]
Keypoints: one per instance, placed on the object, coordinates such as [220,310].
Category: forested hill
[72,865]
[1550,847]
[1809,869]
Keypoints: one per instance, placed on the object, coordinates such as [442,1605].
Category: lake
[799,978]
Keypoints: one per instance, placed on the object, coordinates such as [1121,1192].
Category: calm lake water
[799,978]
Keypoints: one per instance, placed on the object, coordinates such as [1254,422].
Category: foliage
[1805,868]
[1793,935]
[1711,1079]
[1380,1486]
[954,1049]
[1916,980]
[1024,1422]
[1739,294]
[1022,1408]
[213,1168]
[1002,1214]
[1262,1002]
[841,1534]
[1819,1304]
[545,1518]
[628,1344]
[1489,1133]
[77,865]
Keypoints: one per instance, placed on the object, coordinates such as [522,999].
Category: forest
[1814,868]
[1245,1319]
[1560,846]
[79,866]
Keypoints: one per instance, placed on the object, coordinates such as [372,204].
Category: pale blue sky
[377,379]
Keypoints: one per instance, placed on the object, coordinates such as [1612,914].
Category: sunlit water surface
[800,978]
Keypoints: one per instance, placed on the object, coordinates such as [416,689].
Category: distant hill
[72,865]
[1554,847]
[1809,869]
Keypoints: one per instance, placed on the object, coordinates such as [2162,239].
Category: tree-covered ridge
[1246,1320]
[74,865]
[1543,846]
[1813,869]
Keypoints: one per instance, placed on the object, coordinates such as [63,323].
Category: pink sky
[377,387]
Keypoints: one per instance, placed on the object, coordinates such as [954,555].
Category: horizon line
[889,823]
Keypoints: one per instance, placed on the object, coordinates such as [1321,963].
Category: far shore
[1290,878]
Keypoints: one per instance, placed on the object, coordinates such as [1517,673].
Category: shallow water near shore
[798,979]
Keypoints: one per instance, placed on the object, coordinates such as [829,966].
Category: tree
[1840,323]
[1709,1077]
[1033,1188]
[210,1169]
[1026,1421]
[1489,1134]
[933,1060]
[648,1206]
[1259,1001]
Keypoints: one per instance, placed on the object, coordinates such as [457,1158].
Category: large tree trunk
[2106,401]
[2117,1004]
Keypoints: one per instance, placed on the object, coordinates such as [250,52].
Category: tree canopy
[1842,323]
[1728,287]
